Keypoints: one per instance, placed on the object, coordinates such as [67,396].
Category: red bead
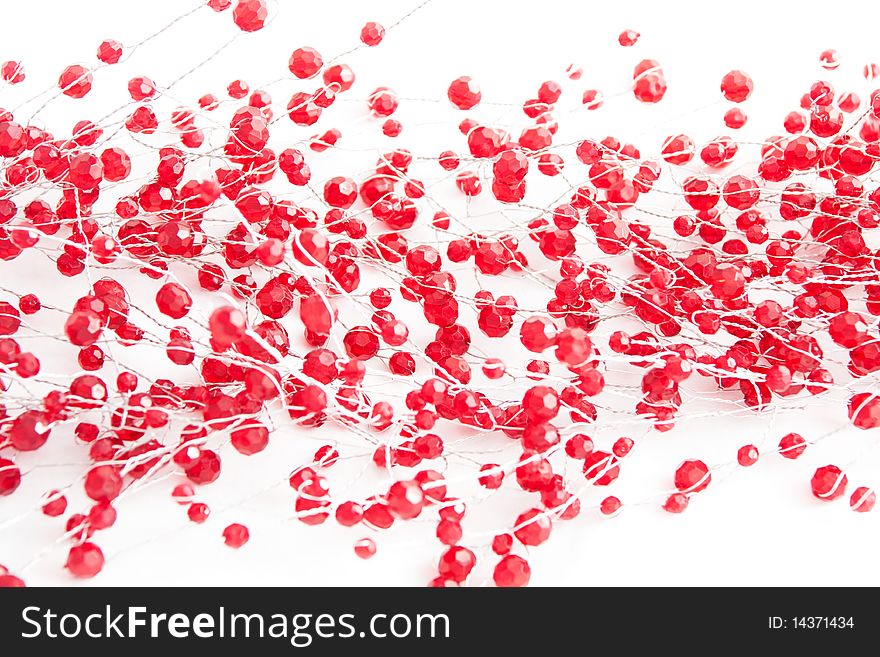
[736,86]
[848,329]
[348,514]
[692,476]
[340,192]
[464,93]
[12,72]
[533,527]
[600,468]
[227,325]
[110,51]
[85,560]
[305,62]
[250,437]
[75,81]
[55,505]
[365,548]
[792,446]
[405,499]
[10,477]
[628,38]
[173,301]
[449,532]
[610,506]
[747,455]
[456,563]
[103,483]
[864,410]
[828,483]
[372,33]
[83,328]
[512,571]
[676,503]
[236,535]
[862,500]
[29,431]
[198,512]
[250,15]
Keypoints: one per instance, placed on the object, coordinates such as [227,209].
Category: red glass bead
[10,477]
[365,548]
[736,86]
[512,571]
[464,93]
[676,503]
[372,33]
[828,482]
[862,500]
[456,563]
[692,476]
[85,560]
[250,15]
[236,535]
[532,527]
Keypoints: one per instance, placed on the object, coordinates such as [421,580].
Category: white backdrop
[752,526]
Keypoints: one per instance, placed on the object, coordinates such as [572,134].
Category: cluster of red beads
[284,342]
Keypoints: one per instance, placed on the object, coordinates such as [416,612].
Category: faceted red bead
[692,476]
[862,500]
[747,455]
[457,563]
[227,325]
[533,527]
[103,483]
[365,548]
[83,328]
[600,468]
[305,62]
[676,503]
[464,93]
[405,499]
[85,560]
[864,410]
[29,431]
[10,477]
[173,300]
[736,86]
[512,571]
[236,535]
[250,15]
[372,33]
[249,437]
[828,482]
[110,51]
[75,81]
[848,329]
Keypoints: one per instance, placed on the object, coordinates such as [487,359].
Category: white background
[755,526]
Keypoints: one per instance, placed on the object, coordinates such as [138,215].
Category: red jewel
[250,15]
[692,476]
[236,535]
[792,446]
[365,548]
[747,455]
[676,503]
[828,482]
[372,33]
[85,560]
[862,500]
[456,563]
[464,93]
[512,570]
